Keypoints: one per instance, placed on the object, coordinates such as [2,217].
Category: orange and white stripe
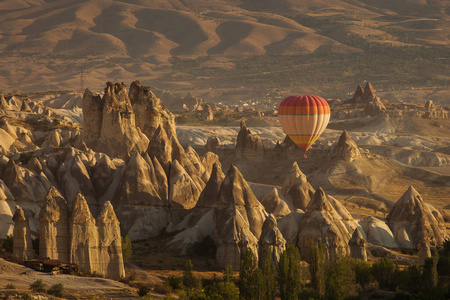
[304,118]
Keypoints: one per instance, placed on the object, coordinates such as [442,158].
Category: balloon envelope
[304,118]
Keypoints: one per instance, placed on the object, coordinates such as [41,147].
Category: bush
[7,243]
[363,272]
[162,289]
[175,283]
[222,290]
[143,290]
[38,286]
[26,296]
[10,287]
[56,290]
[384,272]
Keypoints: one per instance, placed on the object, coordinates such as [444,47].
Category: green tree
[56,290]
[339,277]
[190,282]
[7,243]
[384,272]
[430,274]
[317,266]
[228,274]
[289,273]
[127,248]
[251,278]
[363,271]
[38,286]
[225,290]
[268,270]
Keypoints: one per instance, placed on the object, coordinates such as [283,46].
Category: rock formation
[233,235]
[149,111]
[109,123]
[183,190]
[346,148]
[272,237]
[296,186]
[248,144]
[369,93]
[358,94]
[213,143]
[236,192]
[207,113]
[322,223]
[289,225]
[358,246]
[377,232]
[274,205]
[84,238]
[54,233]
[25,107]
[3,104]
[429,105]
[7,209]
[22,244]
[411,222]
[375,108]
[140,198]
[110,262]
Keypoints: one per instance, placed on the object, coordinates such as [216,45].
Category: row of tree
[339,278]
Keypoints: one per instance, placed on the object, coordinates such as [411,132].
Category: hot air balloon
[304,118]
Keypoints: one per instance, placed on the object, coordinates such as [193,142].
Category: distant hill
[183,45]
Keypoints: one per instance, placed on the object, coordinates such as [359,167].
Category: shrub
[222,290]
[175,283]
[7,243]
[10,287]
[363,272]
[143,290]
[56,290]
[26,296]
[162,289]
[384,272]
[38,286]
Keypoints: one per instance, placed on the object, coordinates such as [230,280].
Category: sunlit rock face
[109,123]
[54,234]
[110,262]
[22,244]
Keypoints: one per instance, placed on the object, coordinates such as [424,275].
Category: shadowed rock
[411,222]
[375,108]
[297,186]
[272,237]
[232,232]
[235,191]
[345,148]
[357,246]
[322,223]
[274,205]
[248,144]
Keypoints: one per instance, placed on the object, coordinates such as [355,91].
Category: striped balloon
[304,118]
